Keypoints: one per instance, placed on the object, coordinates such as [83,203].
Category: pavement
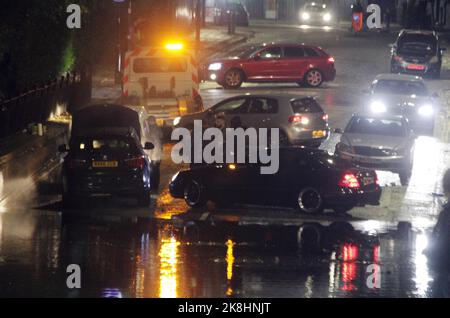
[169,250]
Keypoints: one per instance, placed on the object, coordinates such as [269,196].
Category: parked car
[315,13]
[404,95]
[105,156]
[221,14]
[301,120]
[382,142]
[417,52]
[308,180]
[298,63]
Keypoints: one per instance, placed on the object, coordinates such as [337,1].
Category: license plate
[105,164]
[319,133]
[368,180]
[415,67]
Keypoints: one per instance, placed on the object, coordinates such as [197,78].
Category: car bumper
[298,136]
[353,197]
[393,164]
[426,69]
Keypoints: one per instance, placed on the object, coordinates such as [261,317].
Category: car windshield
[417,44]
[376,126]
[315,8]
[244,51]
[395,87]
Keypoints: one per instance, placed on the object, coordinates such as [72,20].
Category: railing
[37,104]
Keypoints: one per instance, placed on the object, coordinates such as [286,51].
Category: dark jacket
[438,249]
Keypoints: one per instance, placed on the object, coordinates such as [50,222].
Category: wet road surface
[170,251]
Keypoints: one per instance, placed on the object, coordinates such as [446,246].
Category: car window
[418,44]
[400,88]
[159,65]
[293,52]
[376,126]
[244,51]
[263,106]
[305,105]
[311,52]
[271,53]
[238,105]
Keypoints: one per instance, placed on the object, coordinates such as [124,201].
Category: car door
[264,65]
[294,63]
[260,112]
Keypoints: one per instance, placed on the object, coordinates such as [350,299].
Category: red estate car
[299,63]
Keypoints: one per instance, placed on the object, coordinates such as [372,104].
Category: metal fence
[36,105]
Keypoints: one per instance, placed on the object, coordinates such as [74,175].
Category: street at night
[176,248]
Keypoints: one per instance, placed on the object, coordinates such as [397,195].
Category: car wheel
[233,79]
[195,194]
[144,199]
[405,176]
[314,78]
[310,201]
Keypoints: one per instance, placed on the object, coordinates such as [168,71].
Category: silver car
[404,95]
[379,142]
[316,13]
[301,120]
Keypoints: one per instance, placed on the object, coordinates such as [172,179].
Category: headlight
[378,107]
[327,17]
[175,176]
[434,59]
[426,110]
[176,121]
[215,67]
[305,16]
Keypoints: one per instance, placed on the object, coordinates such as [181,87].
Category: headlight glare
[215,67]
[305,16]
[176,121]
[327,17]
[426,110]
[378,107]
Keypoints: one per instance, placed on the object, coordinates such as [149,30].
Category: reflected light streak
[349,255]
[2,189]
[168,268]
[422,276]
[230,262]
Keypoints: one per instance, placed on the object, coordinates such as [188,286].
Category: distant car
[298,63]
[404,95]
[301,120]
[314,13]
[221,14]
[417,52]
[106,160]
[382,142]
[308,180]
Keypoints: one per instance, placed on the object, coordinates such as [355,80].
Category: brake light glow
[298,119]
[138,162]
[331,59]
[325,117]
[349,180]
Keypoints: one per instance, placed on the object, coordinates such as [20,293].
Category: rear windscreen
[306,105]
[104,144]
[160,65]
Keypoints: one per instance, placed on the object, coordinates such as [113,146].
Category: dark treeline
[36,46]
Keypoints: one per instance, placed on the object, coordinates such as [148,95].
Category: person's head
[446,183]
[220,120]
[151,120]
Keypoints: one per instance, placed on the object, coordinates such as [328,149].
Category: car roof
[282,43]
[380,116]
[287,96]
[424,32]
[399,77]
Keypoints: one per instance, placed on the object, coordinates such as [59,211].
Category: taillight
[331,60]
[376,178]
[298,119]
[137,162]
[349,180]
[75,163]
[325,117]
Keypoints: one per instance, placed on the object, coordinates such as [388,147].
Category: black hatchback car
[417,52]
[309,180]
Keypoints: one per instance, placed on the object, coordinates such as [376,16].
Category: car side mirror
[338,131]
[149,146]
[62,149]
